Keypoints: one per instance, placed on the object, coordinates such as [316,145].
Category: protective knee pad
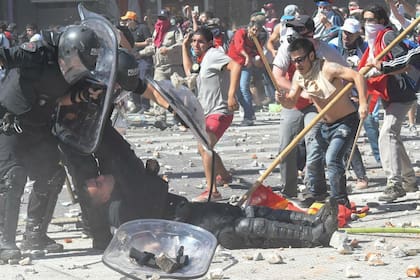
[272,234]
[14,181]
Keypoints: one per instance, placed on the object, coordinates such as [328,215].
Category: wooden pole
[320,115]
[265,62]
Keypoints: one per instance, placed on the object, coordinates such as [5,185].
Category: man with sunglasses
[293,120]
[321,80]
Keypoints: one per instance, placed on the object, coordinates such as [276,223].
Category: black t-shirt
[141,33]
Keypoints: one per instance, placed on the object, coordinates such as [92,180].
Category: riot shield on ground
[186,105]
[83,131]
[150,238]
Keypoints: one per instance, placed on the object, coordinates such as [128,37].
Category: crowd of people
[50,100]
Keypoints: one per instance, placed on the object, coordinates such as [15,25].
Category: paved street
[248,151]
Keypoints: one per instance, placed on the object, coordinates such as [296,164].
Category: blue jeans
[292,121]
[244,93]
[336,139]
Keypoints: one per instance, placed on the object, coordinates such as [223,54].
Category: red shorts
[218,123]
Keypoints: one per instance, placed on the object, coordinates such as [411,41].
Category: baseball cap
[129,15]
[323,3]
[163,13]
[302,21]
[289,12]
[351,25]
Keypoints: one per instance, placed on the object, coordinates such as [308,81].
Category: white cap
[351,25]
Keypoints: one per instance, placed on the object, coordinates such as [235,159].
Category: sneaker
[392,192]
[246,122]
[204,196]
[311,199]
[410,187]
[362,183]
[413,130]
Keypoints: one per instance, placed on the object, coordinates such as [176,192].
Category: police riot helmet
[78,50]
[127,70]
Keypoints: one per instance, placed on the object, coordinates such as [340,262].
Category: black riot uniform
[27,147]
[113,153]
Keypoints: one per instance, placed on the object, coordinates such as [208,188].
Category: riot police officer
[34,81]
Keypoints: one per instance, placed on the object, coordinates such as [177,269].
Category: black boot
[11,190]
[35,238]
[8,224]
[41,205]
[264,233]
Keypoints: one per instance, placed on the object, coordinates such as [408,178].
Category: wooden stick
[265,62]
[320,115]
[353,147]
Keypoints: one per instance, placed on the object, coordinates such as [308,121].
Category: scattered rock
[275,259]
[354,243]
[2,262]
[374,259]
[25,261]
[215,274]
[258,256]
[397,252]
[351,273]
[184,177]
[254,156]
[155,276]
[413,271]
[338,239]
[345,249]
[183,193]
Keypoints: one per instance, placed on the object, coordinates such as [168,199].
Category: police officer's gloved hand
[177,117]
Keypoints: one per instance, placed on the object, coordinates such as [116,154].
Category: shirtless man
[322,80]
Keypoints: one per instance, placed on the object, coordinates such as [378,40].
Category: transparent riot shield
[83,131]
[152,236]
[186,105]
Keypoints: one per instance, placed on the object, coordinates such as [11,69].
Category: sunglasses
[300,59]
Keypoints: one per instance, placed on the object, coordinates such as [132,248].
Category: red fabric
[218,123]
[8,35]
[240,41]
[376,86]
[218,41]
[264,196]
[161,27]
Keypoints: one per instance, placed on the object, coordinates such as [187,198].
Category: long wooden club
[320,115]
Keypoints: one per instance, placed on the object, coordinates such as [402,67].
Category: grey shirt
[213,82]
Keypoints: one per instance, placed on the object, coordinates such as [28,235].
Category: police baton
[319,116]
